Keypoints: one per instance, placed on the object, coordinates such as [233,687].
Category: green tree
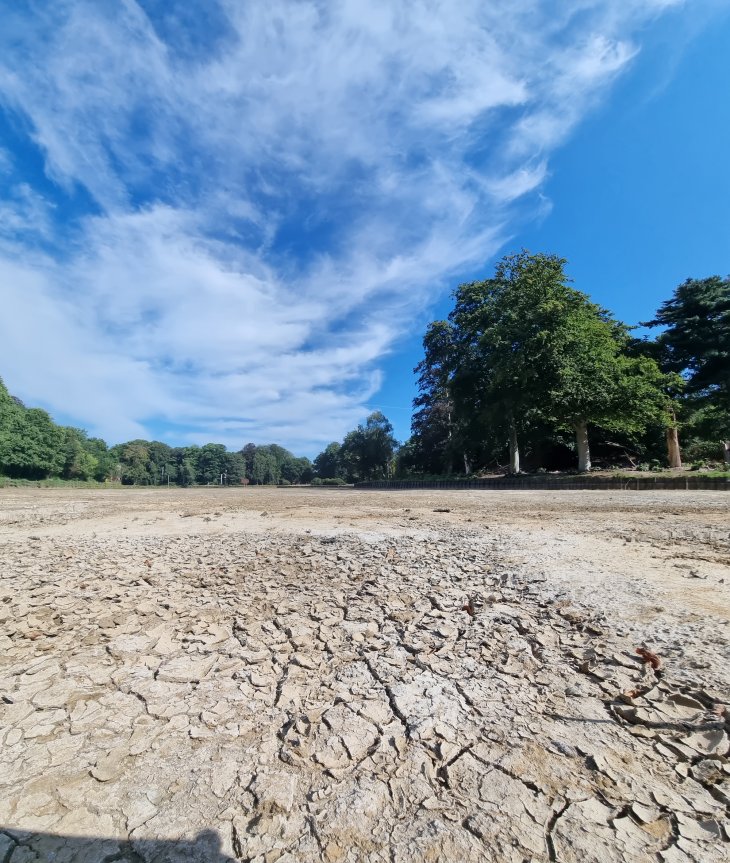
[594,382]
[327,464]
[186,469]
[500,330]
[33,445]
[529,350]
[441,437]
[211,463]
[247,453]
[367,451]
[235,468]
[265,467]
[297,470]
[106,465]
[11,425]
[134,459]
[79,462]
[161,463]
[696,343]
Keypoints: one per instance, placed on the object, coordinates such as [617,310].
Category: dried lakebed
[299,676]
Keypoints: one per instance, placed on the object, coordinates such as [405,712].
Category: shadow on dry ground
[43,847]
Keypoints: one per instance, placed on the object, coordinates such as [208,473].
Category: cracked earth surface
[301,675]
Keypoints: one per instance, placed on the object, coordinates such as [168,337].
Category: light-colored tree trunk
[514,449]
[673,452]
[584,450]
[467,465]
[727,452]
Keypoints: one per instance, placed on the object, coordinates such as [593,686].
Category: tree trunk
[514,450]
[727,452]
[673,451]
[467,465]
[584,450]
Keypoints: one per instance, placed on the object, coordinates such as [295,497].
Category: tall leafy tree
[593,381]
[297,470]
[501,329]
[106,465]
[211,463]
[328,463]
[696,343]
[527,350]
[134,458]
[79,463]
[31,444]
[162,465]
[265,469]
[248,452]
[235,467]
[367,451]
[438,441]
[11,425]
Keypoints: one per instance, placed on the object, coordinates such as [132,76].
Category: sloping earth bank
[347,676]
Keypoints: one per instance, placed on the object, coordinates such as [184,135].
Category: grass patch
[10,482]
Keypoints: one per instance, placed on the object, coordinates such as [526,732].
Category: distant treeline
[33,447]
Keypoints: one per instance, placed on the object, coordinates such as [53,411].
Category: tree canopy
[696,344]
[523,358]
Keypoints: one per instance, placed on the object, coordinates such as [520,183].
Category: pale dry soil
[301,675]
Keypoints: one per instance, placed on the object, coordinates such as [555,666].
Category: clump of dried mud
[300,676]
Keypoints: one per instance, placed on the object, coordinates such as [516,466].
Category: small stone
[185,669]
[110,766]
[15,735]
[564,749]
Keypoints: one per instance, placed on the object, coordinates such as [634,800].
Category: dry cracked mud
[301,675]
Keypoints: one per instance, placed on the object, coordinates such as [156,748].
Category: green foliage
[31,445]
[211,464]
[327,463]
[367,451]
[235,469]
[186,474]
[330,481]
[696,341]
[54,482]
[265,468]
[79,462]
[523,357]
[270,464]
[439,441]
[696,344]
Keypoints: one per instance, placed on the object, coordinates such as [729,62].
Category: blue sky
[232,222]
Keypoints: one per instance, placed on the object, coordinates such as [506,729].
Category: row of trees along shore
[526,372]
[33,447]
[526,364]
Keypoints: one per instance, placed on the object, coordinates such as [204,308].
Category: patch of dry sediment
[328,698]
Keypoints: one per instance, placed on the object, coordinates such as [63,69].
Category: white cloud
[391,139]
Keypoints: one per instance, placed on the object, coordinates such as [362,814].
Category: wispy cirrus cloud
[243,206]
